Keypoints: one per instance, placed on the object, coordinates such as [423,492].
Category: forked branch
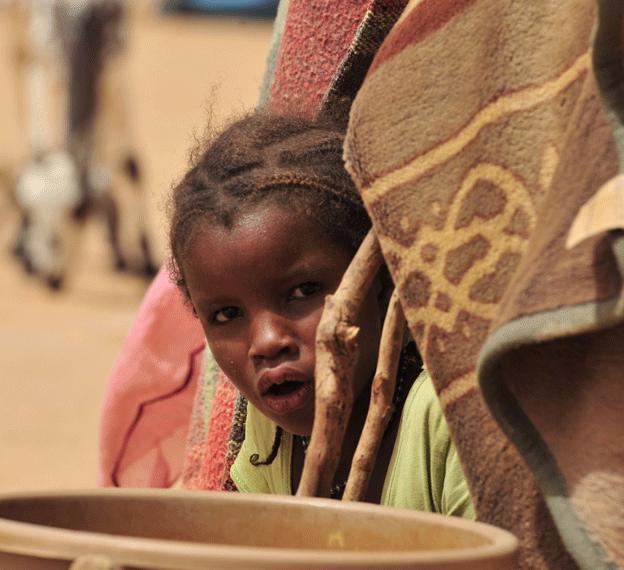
[336,356]
[380,409]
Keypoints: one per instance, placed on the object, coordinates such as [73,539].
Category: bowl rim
[43,541]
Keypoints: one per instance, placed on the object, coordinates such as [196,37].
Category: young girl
[263,227]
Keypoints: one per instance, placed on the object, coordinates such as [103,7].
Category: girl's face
[259,289]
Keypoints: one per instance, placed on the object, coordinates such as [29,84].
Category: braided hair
[294,161]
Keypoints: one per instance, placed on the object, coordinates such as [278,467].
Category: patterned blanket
[480,131]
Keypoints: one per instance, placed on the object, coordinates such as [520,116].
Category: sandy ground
[57,349]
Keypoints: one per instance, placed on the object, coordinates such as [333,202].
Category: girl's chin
[300,432]
[295,426]
[299,424]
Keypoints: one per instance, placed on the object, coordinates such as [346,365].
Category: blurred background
[57,346]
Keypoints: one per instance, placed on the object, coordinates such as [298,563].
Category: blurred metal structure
[253,8]
[79,45]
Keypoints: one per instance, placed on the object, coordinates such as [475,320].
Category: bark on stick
[336,356]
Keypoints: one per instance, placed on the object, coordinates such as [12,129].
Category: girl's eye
[225,314]
[305,290]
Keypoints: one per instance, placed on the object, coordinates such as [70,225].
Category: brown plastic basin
[203,530]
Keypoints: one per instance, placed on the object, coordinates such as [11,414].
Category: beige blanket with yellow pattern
[481,130]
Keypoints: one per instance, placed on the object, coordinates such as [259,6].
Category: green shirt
[424,472]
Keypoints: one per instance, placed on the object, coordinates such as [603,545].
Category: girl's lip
[278,376]
[285,403]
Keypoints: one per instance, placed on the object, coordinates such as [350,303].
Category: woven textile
[477,136]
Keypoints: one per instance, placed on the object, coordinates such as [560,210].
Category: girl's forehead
[258,234]
[269,220]
[261,250]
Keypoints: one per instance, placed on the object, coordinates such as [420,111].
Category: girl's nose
[271,338]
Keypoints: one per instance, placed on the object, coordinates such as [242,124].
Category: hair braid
[254,458]
[293,179]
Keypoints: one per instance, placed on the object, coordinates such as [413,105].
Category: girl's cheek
[221,353]
[234,374]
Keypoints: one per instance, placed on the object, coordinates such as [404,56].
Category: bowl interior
[245,520]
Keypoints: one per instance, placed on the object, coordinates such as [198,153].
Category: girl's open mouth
[288,395]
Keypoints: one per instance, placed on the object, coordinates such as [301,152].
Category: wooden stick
[336,356]
[380,409]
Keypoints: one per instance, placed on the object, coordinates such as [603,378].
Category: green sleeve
[448,485]
[424,472]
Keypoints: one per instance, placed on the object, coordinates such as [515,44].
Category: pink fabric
[150,393]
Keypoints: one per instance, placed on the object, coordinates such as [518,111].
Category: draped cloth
[481,130]
[150,392]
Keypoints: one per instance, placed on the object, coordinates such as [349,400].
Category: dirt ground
[57,349]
